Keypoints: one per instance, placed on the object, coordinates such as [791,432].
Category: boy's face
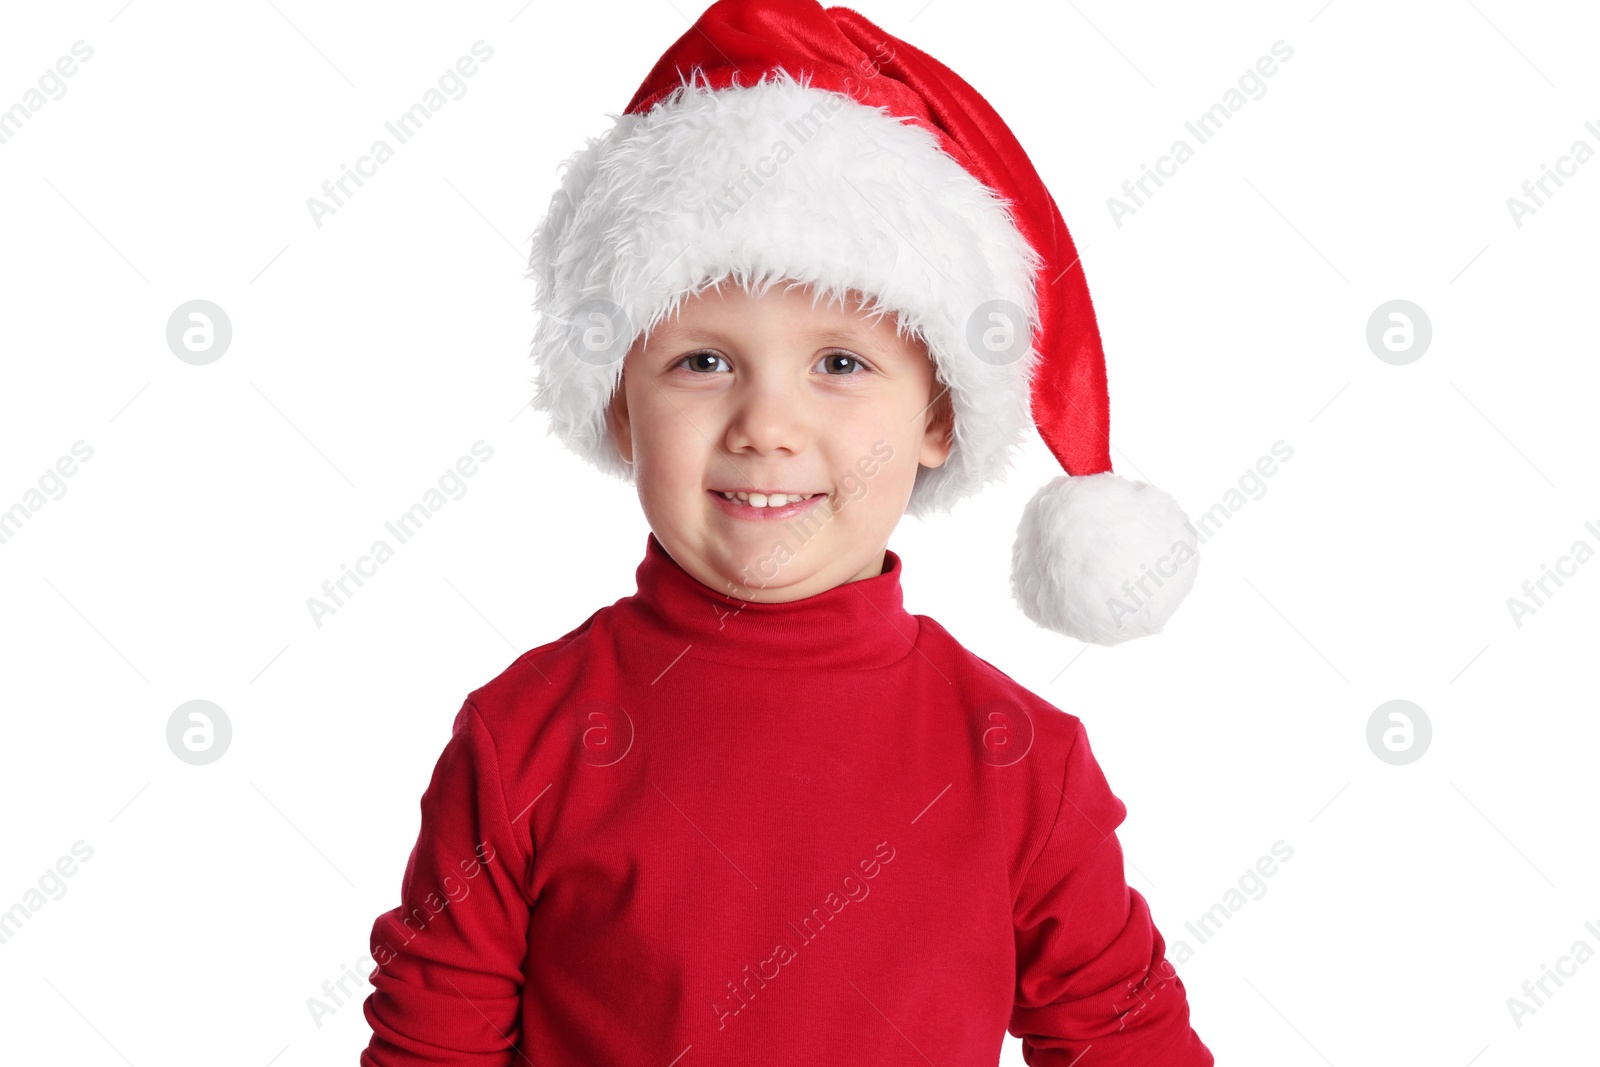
[772,394]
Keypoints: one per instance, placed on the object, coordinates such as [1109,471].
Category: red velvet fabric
[699,831]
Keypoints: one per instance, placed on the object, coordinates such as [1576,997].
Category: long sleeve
[449,974]
[1091,966]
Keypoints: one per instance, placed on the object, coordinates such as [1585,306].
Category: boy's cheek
[852,488]
[869,467]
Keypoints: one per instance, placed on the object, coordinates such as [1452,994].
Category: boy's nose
[766,418]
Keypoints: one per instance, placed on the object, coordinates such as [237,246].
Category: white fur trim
[841,196]
[1102,558]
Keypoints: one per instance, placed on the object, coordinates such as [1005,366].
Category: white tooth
[766,500]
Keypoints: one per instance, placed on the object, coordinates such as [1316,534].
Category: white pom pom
[1103,559]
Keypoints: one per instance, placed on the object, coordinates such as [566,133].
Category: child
[757,811]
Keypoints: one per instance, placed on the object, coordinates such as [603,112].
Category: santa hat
[777,139]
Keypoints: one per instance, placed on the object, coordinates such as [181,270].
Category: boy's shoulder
[936,637]
[536,678]
[990,691]
[1011,726]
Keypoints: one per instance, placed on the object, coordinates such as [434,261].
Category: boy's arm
[449,975]
[1092,974]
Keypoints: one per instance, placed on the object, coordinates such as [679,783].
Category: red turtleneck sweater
[697,830]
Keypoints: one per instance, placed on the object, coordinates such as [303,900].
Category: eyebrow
[678,334]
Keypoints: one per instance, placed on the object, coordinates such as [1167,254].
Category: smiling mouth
[764,500]
[753,505]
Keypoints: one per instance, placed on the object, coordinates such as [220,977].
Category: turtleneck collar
[854,626]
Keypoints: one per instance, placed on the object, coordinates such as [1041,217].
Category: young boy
[757,811]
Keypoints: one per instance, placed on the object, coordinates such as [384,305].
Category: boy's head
[778,139]
[769,389]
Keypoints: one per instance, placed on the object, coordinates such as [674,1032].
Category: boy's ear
[617,422]
[939,437]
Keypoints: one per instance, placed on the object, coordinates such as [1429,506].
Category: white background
[370,353]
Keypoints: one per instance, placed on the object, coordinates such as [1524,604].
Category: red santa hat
[777,139]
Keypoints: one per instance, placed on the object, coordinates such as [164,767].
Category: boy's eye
[696,361]
[833,359]
[836,364]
